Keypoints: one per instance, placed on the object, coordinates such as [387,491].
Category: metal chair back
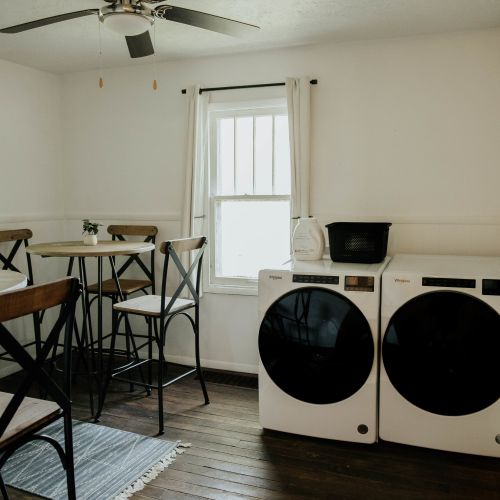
[119,232]
[17,237]
[173,250]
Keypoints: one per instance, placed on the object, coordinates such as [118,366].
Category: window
[249,193]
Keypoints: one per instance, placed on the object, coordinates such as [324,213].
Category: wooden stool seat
[31,415]
[127,286]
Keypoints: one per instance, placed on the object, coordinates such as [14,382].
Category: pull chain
[101,80]
[155,81]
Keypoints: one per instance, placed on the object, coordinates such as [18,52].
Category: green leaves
[90,227]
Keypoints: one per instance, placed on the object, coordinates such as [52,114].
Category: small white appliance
[318,338]
[440,353]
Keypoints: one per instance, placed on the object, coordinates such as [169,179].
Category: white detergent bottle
[308,240]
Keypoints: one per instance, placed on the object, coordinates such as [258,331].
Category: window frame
[274,107]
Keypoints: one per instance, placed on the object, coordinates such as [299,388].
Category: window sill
[231,289]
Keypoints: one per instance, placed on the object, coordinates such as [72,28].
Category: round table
[76,249]
[11,280]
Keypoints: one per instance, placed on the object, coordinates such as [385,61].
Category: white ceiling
[73,45]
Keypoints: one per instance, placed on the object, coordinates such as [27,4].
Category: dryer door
[441,353]
[316,345]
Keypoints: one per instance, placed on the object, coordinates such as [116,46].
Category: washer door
[441,353]
[316,345]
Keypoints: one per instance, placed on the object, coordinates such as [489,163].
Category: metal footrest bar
[129,366]
[122,334]
[189,372]
[155,386]
[135,382]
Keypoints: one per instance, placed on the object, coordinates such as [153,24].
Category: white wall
[405,130]
[31,173]
[30,135]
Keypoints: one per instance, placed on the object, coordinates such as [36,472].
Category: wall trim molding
[47,217]
[451,220]
[51,217]
[454,220]
[172,217]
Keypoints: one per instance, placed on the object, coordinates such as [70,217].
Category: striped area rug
[109,463]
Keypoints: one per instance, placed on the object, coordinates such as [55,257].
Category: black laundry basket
[363,242]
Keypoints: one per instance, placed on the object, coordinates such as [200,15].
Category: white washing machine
[440,355]
[318,338]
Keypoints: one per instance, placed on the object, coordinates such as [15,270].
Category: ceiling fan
[133,18]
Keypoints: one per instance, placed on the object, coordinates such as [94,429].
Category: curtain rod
[279,84]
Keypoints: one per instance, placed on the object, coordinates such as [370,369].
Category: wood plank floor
[233,457]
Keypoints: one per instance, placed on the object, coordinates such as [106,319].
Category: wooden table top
[10,280]
[78,249]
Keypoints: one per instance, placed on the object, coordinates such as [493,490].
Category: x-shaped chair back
[17,236]
[173,250]
[33,300]
[149,232]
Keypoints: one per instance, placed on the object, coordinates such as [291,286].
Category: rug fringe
[152,473]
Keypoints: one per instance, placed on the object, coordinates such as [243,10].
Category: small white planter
[90,239]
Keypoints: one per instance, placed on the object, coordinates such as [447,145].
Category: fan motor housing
[126,18]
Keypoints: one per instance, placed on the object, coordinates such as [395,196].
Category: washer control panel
[315,279]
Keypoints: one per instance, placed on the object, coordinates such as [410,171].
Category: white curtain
[193,210]
[193,214]
[298,93]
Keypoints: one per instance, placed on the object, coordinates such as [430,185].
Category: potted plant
[90,230]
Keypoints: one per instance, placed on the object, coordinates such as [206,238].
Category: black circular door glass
[441,353]
[316,345]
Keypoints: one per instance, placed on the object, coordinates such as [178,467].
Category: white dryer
[440,368]
[318,337]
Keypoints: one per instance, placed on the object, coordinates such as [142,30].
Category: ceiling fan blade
[48,20]
[140,45]
[203,20]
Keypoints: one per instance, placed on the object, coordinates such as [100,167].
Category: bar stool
[23,417]
[128,286]
[18,238]
[165,309]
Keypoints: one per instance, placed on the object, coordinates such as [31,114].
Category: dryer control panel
[315,279]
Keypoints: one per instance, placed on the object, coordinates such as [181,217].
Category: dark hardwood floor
[233,457]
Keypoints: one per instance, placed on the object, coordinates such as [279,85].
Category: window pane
[264,155]
[251,235]
[282,178]
[225,171]
[244,155]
